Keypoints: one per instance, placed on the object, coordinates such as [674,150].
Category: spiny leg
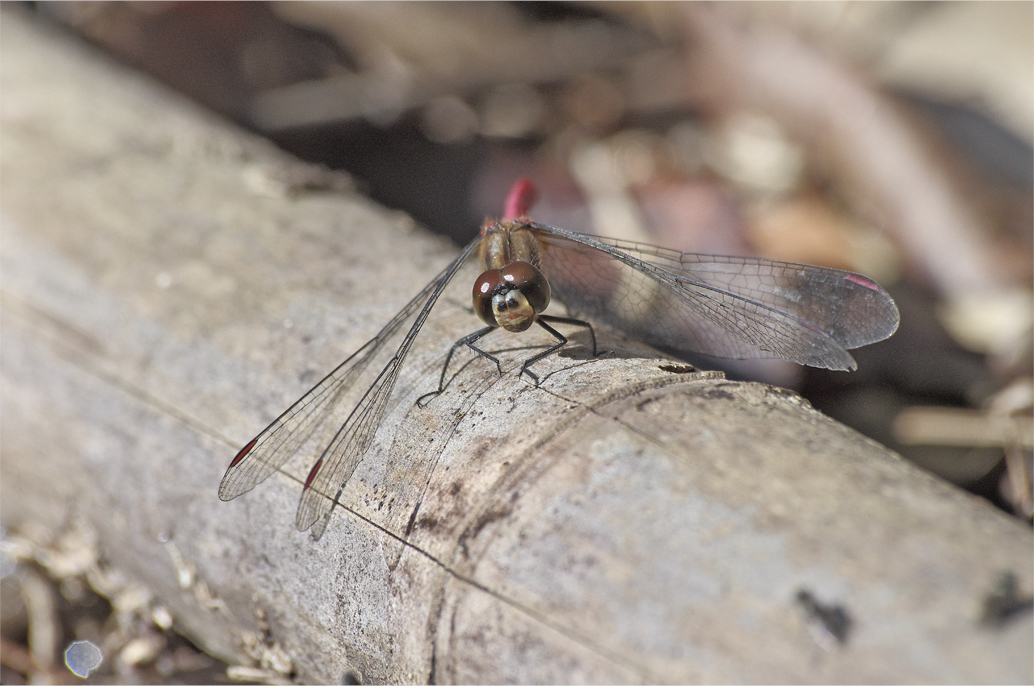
[561,340]
[468,341]
[573,322]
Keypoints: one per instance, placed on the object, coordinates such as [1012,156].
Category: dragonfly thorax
[511,297]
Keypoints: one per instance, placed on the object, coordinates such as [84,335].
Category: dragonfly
[721,306]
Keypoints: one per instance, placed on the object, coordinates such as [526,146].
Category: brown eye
[484,287]
[525,278]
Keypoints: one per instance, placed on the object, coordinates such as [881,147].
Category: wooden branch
[627,520]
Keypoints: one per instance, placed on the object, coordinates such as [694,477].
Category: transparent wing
[279,441]
[738,307]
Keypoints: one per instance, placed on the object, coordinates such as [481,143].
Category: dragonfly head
[511,297]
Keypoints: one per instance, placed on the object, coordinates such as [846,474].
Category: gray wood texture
[623,522]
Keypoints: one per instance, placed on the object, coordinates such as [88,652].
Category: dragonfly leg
[468,341]
[573,322]
[561,341]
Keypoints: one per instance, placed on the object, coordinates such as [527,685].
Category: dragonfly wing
[335,466]
[278,442]
[737,307]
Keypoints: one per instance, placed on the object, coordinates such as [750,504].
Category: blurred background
[892,139]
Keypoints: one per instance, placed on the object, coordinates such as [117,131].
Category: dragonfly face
[512,291]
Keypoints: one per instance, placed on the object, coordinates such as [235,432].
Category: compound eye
[525,278]
[485,286]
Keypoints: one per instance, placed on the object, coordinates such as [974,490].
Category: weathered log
[626,520]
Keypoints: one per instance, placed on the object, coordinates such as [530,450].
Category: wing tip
[230,486]
[311,515]
[228,489]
